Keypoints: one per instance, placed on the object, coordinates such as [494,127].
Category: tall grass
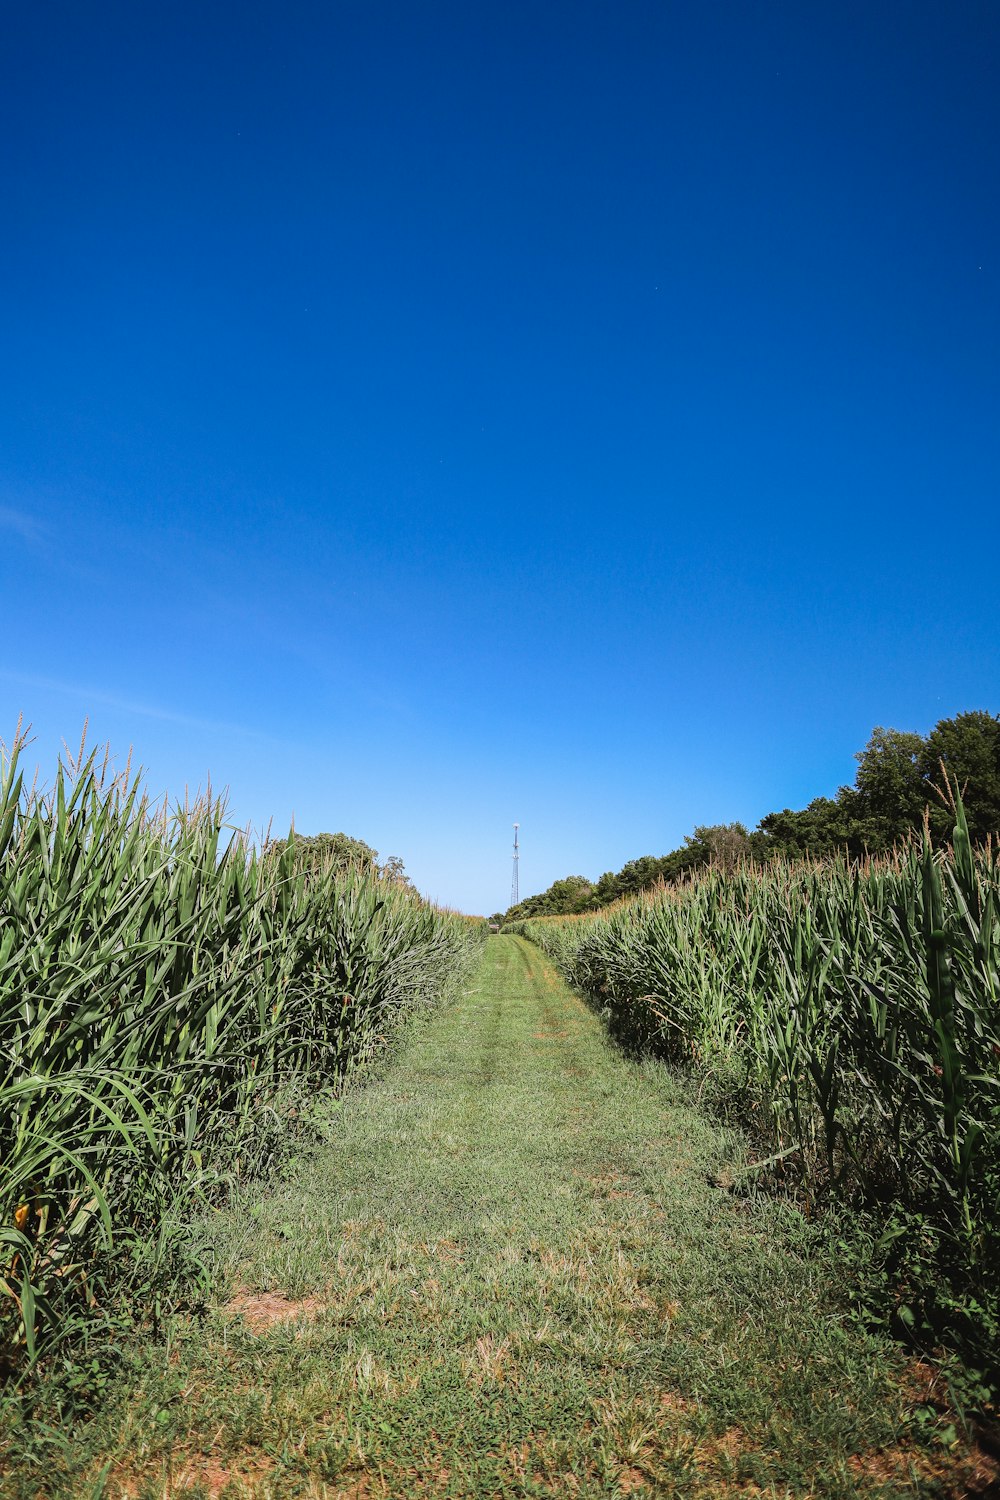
[169,993]
[850,1013]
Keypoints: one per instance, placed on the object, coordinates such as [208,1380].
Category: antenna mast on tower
[513,884]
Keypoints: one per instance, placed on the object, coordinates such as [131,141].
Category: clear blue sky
[427,416]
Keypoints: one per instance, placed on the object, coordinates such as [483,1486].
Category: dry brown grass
[261,1311]
[972,1472]
[243,1477]
[491,1361]
[632,1479]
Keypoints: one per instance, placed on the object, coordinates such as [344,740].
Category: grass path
[509,1275]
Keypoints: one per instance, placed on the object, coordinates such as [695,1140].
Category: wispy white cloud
[93,696]
[22,524]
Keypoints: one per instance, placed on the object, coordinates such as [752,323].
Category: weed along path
[509,1274]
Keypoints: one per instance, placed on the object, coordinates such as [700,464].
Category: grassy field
[512,1271]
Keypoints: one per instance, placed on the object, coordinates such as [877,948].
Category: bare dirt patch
[965,1470]
[611,1186]
[630,1480]
[203,1473]
[261,1311]
[448,1251]
[969,1474]
[359,1488]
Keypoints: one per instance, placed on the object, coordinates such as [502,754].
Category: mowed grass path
[509,1274]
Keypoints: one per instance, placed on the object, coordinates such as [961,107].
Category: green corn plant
[164,986]
[856,1007]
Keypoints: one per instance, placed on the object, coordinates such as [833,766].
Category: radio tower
[513,884]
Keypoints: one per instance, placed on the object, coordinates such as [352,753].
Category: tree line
[896,782]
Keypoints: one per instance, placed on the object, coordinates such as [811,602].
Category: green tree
[969,747]
[889,793]
[722,844]
[563,898]
[823,828]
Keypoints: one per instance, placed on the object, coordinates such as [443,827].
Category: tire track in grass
[516,1280]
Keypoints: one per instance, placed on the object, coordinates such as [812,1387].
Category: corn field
[850,1014]
[170,995]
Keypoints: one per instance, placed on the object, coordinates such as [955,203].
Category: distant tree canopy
[723,843]
[346,853]
[563,898]
[969,748]
[899,775]
[821,828]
